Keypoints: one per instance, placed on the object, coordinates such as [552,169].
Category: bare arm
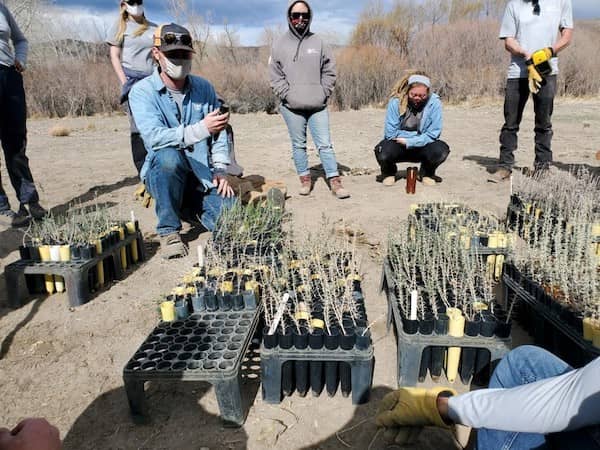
[566,35]
[514,48]
[115,59]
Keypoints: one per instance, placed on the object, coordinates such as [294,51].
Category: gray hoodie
[302,68]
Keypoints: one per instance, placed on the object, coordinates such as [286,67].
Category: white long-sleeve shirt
[566,402]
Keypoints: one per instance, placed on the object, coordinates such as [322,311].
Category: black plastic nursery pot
[468,355]
[286,341]
[301,371]
[199,301]
[238,302]
[212,304]
[438,353]
[315,342]
[426,328]
[410,326]
[332,342]
[347,342]
[482,361]
[269,340]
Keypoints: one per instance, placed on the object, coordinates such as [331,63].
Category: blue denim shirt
[158,120]
[430,127]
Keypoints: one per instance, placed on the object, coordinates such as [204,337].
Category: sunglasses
[299,15]
[174,38]
[134,2]
[536,7]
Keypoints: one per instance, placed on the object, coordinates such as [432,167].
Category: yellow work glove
[410,409]
[535,79]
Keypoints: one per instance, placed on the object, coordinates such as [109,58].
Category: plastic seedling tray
[413,344]
[79,274]
[299,360]
[543,318]
[207,346]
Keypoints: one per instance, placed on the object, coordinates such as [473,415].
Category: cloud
[247,17]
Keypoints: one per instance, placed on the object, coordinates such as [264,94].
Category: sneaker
[172,246]
[500,175]
[335,183]
[389,181]
[37,211]
[305,185]
[21,218]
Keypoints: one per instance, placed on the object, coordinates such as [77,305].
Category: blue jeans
[167,179]
[524,365]
[318,122]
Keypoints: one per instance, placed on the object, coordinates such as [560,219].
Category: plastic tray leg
[229,399]
[16,287]
[362,378]
[77,287]
[137,401]
[409,359]
[271,379]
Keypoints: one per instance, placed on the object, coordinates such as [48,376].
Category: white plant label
[279,313]
[200,256]
[132,216]
[413,305]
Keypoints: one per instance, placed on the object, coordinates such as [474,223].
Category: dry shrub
[366,75]
[71,87]
[465,59]
[579,64]
[59,131]
[242,80]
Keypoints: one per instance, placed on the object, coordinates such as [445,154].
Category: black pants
[516,96]
[138,149]
[389,152]
[13,134]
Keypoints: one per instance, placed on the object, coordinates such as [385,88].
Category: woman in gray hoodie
[302,75]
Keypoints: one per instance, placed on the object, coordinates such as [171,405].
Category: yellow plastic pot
[167,311]
[456,328]
[134,248]
[588,328]
[48,278]
[123,249]
[64,253]
[491,260]
[100,266]
[59,282]
[596,334]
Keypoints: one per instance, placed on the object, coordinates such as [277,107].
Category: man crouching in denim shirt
[178,118]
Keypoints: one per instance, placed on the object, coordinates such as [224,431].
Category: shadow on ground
[177,421]
[361,432]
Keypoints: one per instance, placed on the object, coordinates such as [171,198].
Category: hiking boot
[335,183]
[21,218]
[305,185]
[172,246]
[389,181]
[37,211]
[500,175]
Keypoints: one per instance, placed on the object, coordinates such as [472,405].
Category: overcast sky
[248,17]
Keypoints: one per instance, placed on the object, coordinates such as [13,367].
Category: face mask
[134,10]
[177,69]
[299,25]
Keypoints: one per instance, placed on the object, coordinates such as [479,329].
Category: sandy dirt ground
[66,364]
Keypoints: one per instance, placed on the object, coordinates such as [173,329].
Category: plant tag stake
[413,305]
[279,313]
[132,216]
[200,256]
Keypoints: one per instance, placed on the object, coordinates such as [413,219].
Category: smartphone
[223,109]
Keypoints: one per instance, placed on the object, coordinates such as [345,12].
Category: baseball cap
[171,36]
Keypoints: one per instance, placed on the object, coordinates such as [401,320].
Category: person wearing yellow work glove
[409,409]
[536,30]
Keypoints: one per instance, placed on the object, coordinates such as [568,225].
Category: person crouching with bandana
[178,116]
[413,125]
